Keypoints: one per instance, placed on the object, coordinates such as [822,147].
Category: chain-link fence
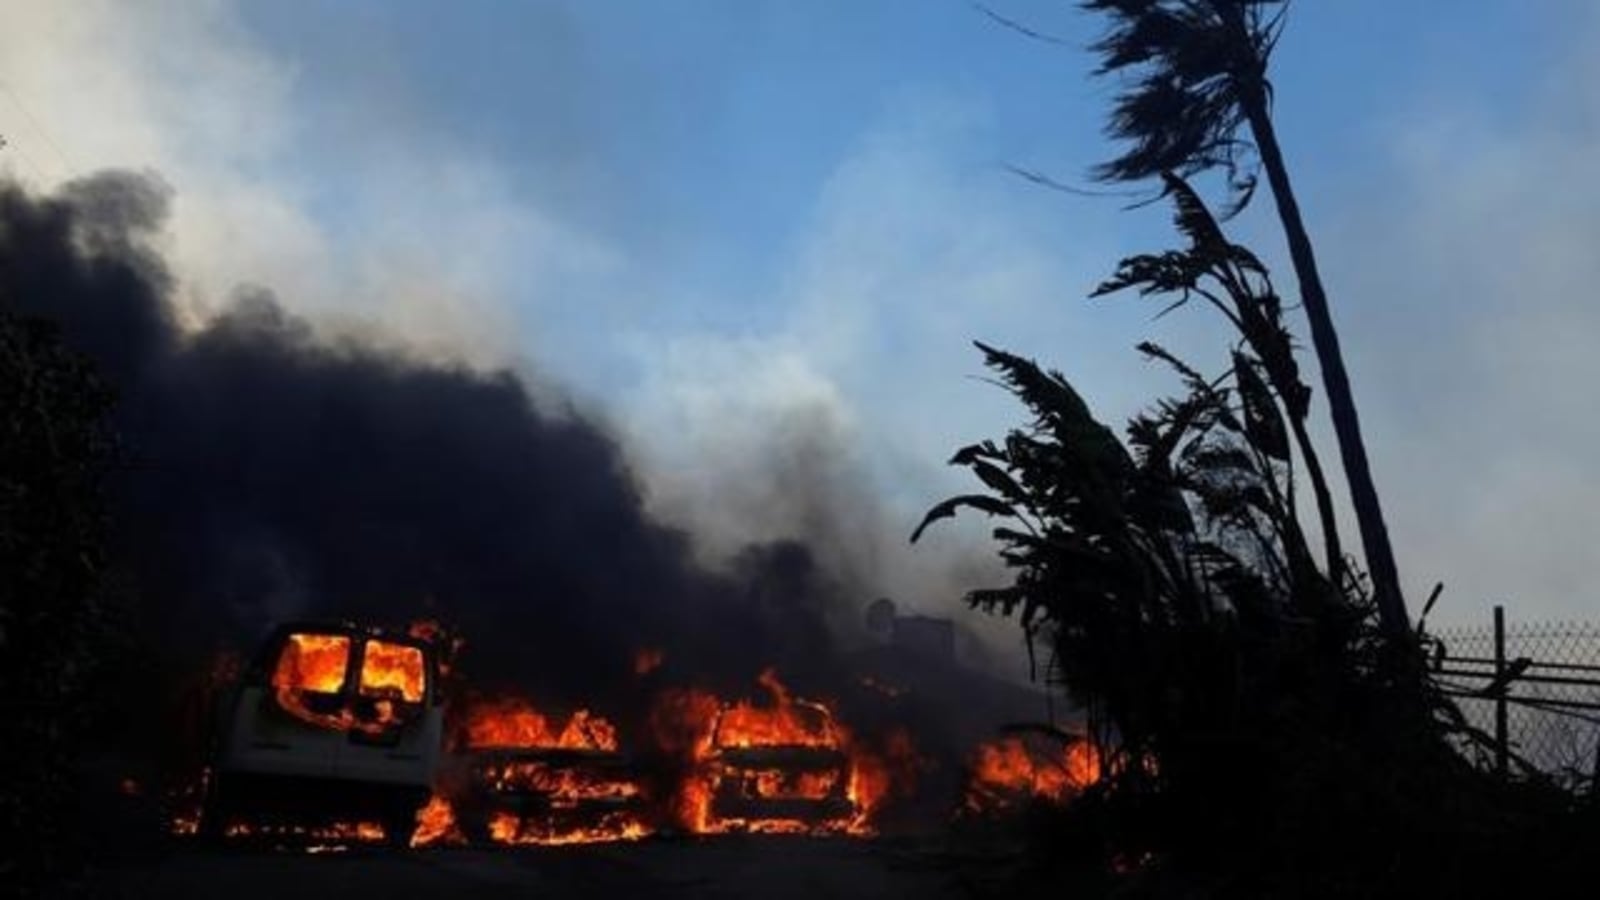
[1542,681]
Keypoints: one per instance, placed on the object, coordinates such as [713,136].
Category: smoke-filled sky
[754,238]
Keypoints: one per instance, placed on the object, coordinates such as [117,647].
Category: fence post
[1502,760]
[1594,778]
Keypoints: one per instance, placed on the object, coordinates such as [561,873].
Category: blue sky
[701,132]
[698,136]
[735,227]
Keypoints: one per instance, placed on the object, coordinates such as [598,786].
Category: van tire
[213,812]
[400,822]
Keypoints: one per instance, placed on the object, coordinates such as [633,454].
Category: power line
[28,160]
[33,121]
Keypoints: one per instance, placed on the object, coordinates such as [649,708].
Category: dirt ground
[729,867]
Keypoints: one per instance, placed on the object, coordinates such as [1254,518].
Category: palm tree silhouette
[1198,73]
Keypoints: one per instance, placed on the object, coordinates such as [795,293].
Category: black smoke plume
[271,471]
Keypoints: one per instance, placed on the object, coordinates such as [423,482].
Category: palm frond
[1184,64]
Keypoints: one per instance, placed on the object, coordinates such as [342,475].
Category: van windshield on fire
[392,670]
[314,663]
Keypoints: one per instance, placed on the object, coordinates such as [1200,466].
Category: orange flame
[807,773]
[446,643]
[312,664]
[513,723]
[777,763]
[508,828]
[311,838]
[1007,772]
[436,824]
[393,670]
[315,664]
[787,721]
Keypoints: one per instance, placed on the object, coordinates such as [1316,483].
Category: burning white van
[329,724]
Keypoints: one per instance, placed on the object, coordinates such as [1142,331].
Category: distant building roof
[925,634]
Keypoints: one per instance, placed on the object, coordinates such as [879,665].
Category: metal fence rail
[1534,687]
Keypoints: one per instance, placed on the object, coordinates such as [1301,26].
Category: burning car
[785,766]
[797,783]
[520,780]
[1028,766]
[552,795]
[331,722]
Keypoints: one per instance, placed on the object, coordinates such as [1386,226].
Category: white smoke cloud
[426,240]
[833,424]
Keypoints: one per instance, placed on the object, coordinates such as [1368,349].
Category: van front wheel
[213,813]
[400,823]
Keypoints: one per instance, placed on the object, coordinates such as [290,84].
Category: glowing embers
[333,837]
[785,766]
[648,660]
[1012,771]
[532,783]
[309,678]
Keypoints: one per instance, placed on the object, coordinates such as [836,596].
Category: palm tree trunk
[1325,340]
[1324,498]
